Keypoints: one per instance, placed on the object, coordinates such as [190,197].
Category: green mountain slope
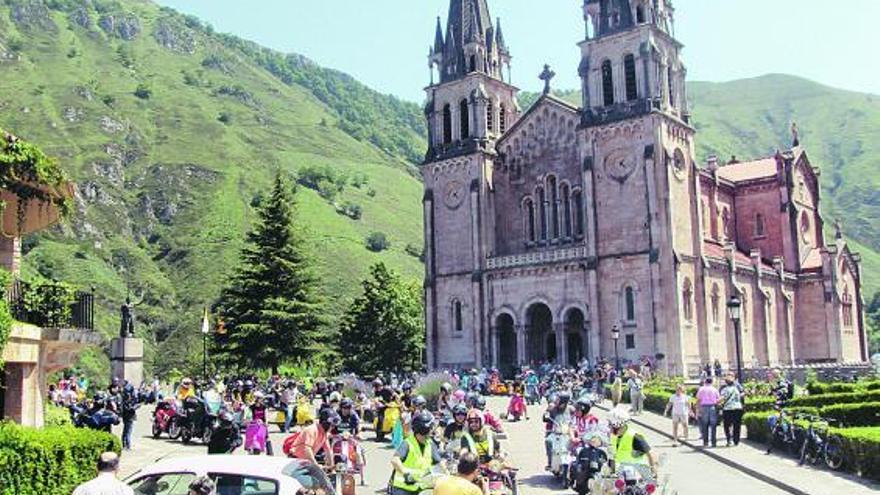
[172,132]
[839,129]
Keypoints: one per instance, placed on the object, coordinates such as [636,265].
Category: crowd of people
[452,431]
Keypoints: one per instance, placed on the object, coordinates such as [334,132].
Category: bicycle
[783,433]
[819,443]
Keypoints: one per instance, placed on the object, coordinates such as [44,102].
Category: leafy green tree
[383,328]
[872,318]
[271,309]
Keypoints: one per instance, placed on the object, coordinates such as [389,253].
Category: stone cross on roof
[547,76]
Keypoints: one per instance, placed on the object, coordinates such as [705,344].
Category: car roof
[258,466]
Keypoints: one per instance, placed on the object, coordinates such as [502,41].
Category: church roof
[714,250]
[743,171]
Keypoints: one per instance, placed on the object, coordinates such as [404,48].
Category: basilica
[563,232]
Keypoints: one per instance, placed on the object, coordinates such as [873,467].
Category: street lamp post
[615,336]
[734,309]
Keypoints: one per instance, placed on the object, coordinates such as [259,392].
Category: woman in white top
[680,406]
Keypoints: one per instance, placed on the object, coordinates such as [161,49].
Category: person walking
[636,397]
[718,369]
[708,398]
[616,388]
[129,407]
[732,409]
[105,483]
[680,406]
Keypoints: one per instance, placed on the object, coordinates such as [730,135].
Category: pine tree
[271,310]
[383,328]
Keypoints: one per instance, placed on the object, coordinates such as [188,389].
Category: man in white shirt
[105,483]
[680,406]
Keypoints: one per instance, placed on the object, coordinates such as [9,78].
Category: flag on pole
[205,325]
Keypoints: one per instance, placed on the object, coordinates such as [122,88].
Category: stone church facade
[546,229]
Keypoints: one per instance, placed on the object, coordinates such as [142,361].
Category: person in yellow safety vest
[415,457]
[186,389]
[630,446]
[480,439]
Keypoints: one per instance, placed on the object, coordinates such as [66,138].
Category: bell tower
[639,154]
[470,104]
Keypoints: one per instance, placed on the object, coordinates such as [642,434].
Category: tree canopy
[383,328]
[271,309]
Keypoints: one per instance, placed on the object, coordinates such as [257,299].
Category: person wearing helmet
[479,438]
[583,421]
[630,446]
[456,428]
[406,395]
[313,440]
[334,399]
[559,414]
[186,389]
[349,421]
[289,398]
[415,457]
[419,404]
[444,401]
[384,395]
[488,418]
[227,437]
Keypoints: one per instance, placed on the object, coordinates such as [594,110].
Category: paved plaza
[690,471]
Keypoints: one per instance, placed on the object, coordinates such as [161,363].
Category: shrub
[143,92]
[415,251]
[225,118]
[859,414]
[49,460]
[351,210]
[766,403]
[377,242]
[57,416]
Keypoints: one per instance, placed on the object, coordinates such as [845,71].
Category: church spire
[499,37]
[438,37]
[470,43]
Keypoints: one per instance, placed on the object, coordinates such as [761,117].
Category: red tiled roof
[756,169]
[716,250]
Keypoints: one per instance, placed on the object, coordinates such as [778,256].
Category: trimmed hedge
[861,445]
[766,403]
[49,460]
[821,388]
[865,414]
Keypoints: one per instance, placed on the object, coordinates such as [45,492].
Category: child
[680,405]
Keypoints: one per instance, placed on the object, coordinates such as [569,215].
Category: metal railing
[51,306]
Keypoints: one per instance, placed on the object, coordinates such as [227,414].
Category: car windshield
[310,476]
[163,484]
[236,484]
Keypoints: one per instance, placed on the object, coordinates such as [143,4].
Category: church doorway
[539,334]
[574,330]
[506,344]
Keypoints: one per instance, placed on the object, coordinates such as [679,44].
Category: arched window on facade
[846,308]
[554,206]
[629,304]
[473,63]
[530,219]
[447,124]
[745,323]
[671,78]
[759,225]
[768,312]
[715,303]
[457,317]
[629,66]
[805,228]
[502,119]
[640,14]
[578,200]
[607,84]
[542,212]
[465,119]
[705,217]
[490,116]
[566,211]
[687,297]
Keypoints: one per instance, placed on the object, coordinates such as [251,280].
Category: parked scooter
[560,449]
[195,421]
[588,464]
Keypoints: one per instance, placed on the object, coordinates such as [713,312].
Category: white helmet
[335,397]
[618,418]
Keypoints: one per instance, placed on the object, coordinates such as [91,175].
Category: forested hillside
[172,132]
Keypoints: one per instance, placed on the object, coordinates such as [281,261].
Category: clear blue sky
[384,43]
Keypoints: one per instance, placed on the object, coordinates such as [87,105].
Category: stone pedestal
[127,360]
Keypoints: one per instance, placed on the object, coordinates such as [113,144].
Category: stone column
[520,344]
[127,359]
[561,344]
[430,349]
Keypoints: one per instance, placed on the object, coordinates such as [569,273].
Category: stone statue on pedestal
[126,323]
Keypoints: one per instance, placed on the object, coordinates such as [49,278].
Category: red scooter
[165,419]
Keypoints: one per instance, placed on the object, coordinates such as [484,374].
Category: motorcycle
[501,479]
[165,420]
[256,438]
[532,394]
[349,456]
[587,467]
[560,449]
[195,421]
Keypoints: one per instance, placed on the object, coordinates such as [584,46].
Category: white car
[233,475]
